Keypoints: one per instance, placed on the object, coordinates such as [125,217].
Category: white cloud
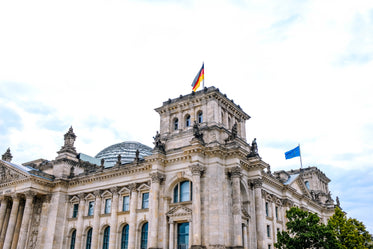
[300,69]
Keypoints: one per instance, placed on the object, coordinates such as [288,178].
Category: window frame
[200,117]
[91,208]
[73,239]
[177,194]
[144,236]
[107,207]
[106,238]
[187,120]
[125,206]
[75,210]
[125,237]
[175,124]
[145,202]
[88,243]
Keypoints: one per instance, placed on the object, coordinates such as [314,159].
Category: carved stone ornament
[97,193]
[8,175]
[179,213]
[158,145]
[132,187]
[29,194]
[236,171]
[69,138]
[256,183]
[7,156]
[196,169]
[157,177]
[233,134]
[253,150]
[197,133]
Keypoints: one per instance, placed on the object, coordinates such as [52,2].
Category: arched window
[124,241]
[187,120]
[183,192]
[105,243]
[73,238]
[307,184]
[89,239]
[200,117]
[176,124]
[144,236]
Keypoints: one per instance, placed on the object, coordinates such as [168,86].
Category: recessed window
[267,209]
[183,235]
[126,203]
[88,243]
[307,184]
[107,206]
[105,243]
[145,200]
[91,206]
[276,211]
[200,117]
[183,192]
[75,210]
[73,238]
[144,236]
[176,124]
[124,241]
[187,120]
[268,231]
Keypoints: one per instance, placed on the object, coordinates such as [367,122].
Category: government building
[202,185]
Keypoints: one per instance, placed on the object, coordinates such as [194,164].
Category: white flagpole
[300,157]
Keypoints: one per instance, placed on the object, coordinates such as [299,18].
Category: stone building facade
[203,186]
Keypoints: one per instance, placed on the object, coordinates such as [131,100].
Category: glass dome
[127,150]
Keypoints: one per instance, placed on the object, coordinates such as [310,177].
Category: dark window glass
[187,121]
[184,191]
[126,203]
[176,124]
[200,117]
[107,206]
[182,235]
[105,243]
[75,210]
[124,241]
[276,211]
[89,239]
[72,242]
[268,231]
[91,206]
[267,209]
[144,236]
[176,193]
[145,200]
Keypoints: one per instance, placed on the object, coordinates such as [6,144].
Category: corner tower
[215,114]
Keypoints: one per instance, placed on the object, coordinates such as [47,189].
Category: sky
[301,69]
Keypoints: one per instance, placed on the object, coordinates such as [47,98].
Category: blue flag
[292,153]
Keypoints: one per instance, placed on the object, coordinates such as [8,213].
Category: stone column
[236,203]
[133,223]
[3,207]
[114,219]
[12,222]
[96,219]
[245,237]
[18,226]
[259,213]
[171,240]
[166,202]
[196,170]
[26,219]
[5,225]
[79,223]
[154,209]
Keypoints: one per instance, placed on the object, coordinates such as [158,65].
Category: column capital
[29,194]
[47,198]
[132,187]
[114,190]
[196,169]
[157,177]
[235,172]
[81,196]
[256,183]
[15,196]
[97,193]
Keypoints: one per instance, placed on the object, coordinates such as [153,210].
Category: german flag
[199,78]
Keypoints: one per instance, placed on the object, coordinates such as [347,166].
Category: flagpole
[300,157]
[203,83]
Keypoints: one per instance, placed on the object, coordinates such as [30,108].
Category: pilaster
[114,218]
[12,222]
[96,219]
[26,219]
[157,178]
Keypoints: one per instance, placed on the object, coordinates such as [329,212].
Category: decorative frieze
[235,172]
[196,169]
[256,183]
[157,177]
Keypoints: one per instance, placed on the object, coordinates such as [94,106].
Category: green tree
[350,233]
[304,230]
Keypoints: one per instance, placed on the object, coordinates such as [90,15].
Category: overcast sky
[301,69]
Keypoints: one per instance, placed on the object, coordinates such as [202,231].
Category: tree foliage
[349,233]
[304,230]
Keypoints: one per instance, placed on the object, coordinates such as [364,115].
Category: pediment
[106,194]
[143,187]
[8,173]
[179,211]
[74,199]
[300,187]
[124,190]
[90,196]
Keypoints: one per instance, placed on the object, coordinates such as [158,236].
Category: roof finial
[7,156]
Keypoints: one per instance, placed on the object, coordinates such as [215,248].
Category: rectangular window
[267,209]
[107,206]
[268,231]
[75,210]
[276,209]
[91,206]
[126,203]
[145,200]
[269,246]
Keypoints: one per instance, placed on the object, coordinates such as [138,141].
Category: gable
[9,173]
[179,211]
[300,186]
